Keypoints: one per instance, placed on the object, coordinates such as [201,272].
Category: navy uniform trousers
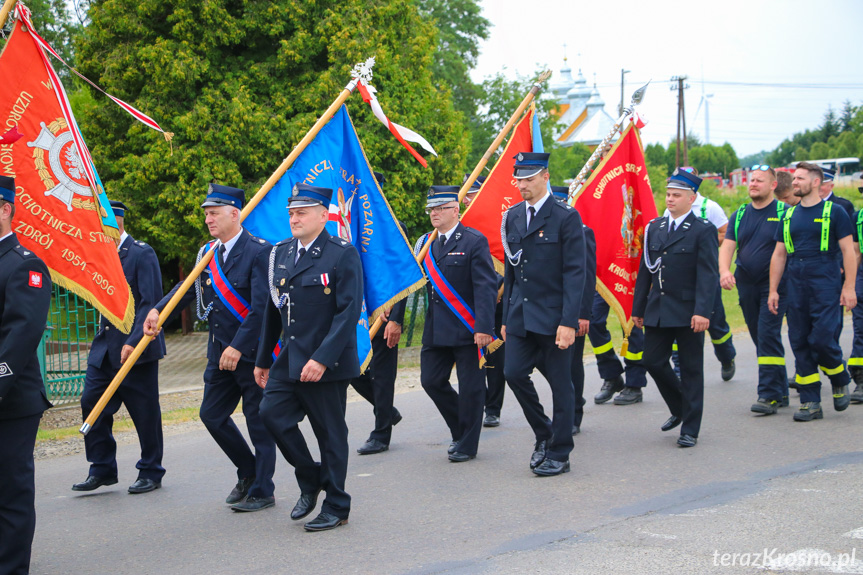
[765,328]
[720,334]
[814,287]
[377,385]
[140,394]
[494,378]
[17,493]
[606,359]
[223,390]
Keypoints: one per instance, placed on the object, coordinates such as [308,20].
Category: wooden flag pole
[358,72]
[465,187]
[4,11]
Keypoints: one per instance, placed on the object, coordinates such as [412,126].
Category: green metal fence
[72,323]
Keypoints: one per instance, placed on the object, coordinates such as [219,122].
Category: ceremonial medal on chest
[281,283]
[209,281]
[325,280]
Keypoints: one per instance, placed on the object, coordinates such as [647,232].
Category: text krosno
[774,559]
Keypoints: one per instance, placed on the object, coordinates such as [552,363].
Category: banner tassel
[624,347]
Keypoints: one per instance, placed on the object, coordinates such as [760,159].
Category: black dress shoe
[324,521]
[576,429]
[452,447]
[491,420]
[372,446]
[538,454]
[397,416]
[92,482]
[305,505]
[551,467]
[686,440]
[728,370]
[253,503]
[609,388]
[671,423]
[459,457]
[240,490]
[144,486]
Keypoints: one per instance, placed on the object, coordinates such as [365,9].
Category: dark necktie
[672,228]
[531,213]
[222,255]
[300,254]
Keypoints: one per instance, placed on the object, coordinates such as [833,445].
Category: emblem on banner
[63,174]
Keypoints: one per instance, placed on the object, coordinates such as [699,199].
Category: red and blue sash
[454,301]
[229,296]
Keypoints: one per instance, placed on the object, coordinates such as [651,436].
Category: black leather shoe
[728,370]
[452,446]
[629,396]
[305,505]
[240,490]
[372,446]
[551,467]
[459,457]
[144,486]
[538,454]
[576,429]
[671,423]
[841,400]
[253,503]
[92,482]
[397,416]
[491,420]
[324,521]
[609,388]
[687,441]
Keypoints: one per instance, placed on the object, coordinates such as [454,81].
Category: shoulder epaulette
[339,241]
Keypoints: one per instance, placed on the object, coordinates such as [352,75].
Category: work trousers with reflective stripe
[856,359]
[606,359]
[766,331]
[814,287]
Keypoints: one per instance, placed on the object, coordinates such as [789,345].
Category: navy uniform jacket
[546,288]
[323,318]
[465,262]
[689,273]
[141,268]
[590,274]
[246,270]
[844,204]
[25,298]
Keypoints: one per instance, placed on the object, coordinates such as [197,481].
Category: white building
[583,118]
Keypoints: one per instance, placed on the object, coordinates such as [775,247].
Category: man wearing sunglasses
[459,320]
[751,232]
[812,244]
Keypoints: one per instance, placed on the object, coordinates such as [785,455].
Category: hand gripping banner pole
[360,72]
[465,187]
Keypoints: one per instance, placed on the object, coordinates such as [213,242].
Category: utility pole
[681,119]
[620,108]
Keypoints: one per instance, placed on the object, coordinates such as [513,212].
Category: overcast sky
[793,57]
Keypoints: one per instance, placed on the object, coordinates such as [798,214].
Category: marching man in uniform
[673,300]
[459,319]
[25,298]
[316,298]
[543,288]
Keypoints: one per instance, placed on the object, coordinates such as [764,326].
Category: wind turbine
[705,101]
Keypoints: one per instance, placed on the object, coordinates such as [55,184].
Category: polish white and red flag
[402,134]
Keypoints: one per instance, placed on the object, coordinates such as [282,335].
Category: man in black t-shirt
[750,232]
[815,241]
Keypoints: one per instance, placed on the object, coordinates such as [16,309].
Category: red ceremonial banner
[57,215]
[499,192]
[617,203]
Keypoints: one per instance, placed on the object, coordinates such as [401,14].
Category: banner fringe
[125,324]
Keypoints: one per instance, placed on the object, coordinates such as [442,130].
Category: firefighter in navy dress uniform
[673,298]
[543,287]
[25,298]
[139,391]
[231,295]
[316,298]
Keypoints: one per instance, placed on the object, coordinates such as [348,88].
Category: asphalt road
[633,503]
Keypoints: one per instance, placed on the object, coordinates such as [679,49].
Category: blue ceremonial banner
[359,212]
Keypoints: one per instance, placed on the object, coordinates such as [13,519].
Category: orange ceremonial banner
[617,203]
[57,214]
[499,192]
